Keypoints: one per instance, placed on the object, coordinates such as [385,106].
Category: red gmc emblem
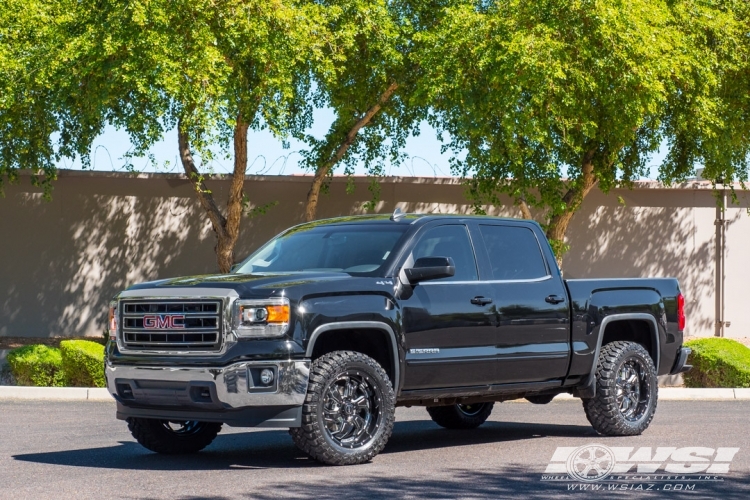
[163,321]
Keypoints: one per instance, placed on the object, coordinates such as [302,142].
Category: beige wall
[61,261]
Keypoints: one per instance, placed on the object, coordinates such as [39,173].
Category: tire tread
[309,437]
[601,410]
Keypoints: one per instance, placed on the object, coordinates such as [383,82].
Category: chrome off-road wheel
[626,390]
[460,416]
[349,410]
[632,390]
[173,437]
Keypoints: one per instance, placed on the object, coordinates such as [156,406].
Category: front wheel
[173,437]
[469,416]
[626,390]
[349,410]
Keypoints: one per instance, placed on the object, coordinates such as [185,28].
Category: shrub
[718,362]
[37,365]
[83,363]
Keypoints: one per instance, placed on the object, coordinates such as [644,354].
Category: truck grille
[171,325]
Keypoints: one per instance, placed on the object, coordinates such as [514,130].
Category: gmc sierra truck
[332,324]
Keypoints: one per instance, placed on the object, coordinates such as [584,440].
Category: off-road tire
[456,417]
[313,437]
[155,436]
[603,411]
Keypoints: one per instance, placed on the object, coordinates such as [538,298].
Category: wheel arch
[637,327]
[356,334]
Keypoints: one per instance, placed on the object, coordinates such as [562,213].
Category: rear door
[529,303]
[450,336]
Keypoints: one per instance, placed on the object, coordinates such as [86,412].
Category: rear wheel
[349,410]
[173,437]
[626,390]
[459,416]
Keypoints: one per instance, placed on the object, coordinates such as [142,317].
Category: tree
[370,89]
[708,123]
[33,87]
[550,99]
[211,69]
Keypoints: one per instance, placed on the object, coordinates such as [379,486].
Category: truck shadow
[273,449]
[262,449]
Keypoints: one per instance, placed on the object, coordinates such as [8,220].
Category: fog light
[266,376]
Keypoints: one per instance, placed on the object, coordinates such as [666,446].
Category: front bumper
[679,364]
[231,394]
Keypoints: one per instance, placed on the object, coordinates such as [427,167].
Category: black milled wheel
[173,437]
[468,416]
[349,410]
[626,390]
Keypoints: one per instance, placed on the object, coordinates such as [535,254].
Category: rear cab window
[514,252]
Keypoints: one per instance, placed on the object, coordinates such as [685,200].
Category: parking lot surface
[79,450]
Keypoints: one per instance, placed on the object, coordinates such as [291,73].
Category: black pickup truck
[332,324]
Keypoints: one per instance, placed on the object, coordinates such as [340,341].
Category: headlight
[112,323]
[262,318]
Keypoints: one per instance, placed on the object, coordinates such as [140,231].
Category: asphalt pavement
[79,450]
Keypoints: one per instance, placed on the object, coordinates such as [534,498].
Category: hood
[245,284]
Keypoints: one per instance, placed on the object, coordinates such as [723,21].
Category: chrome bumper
[223,388]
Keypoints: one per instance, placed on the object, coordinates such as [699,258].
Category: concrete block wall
[62,261]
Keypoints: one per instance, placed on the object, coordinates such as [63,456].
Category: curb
[55,393]
[102,394]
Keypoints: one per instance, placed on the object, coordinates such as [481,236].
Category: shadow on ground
[273,449]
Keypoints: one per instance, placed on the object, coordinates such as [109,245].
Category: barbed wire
[283,162]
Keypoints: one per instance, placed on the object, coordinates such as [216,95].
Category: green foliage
[552,97]
[707,122]
[37,365]
[68,68]
[369,86]
[83,363]
[718,362]
[261,210]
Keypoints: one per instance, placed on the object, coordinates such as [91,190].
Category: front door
[448,323]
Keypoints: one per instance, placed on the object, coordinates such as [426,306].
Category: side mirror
[430,268]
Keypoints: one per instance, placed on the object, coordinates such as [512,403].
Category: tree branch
[572,199]
[322,172]
[525,212]
[204,195]
[234,202]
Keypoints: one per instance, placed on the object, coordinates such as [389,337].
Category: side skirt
[479,394]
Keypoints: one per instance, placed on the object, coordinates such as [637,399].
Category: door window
[449,241]
[514,252]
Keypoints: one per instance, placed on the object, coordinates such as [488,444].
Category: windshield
[355,249]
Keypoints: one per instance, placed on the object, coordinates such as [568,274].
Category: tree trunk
[525,212]
[322,171]
[227,229]
[573,198]
[227,242]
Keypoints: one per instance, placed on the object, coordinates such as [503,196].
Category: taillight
[680,312]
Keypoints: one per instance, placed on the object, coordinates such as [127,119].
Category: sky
[267,155]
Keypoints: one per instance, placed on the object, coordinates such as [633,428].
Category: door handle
[554,299]
[481,301]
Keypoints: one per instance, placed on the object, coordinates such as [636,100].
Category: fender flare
[369,325]
[630,317]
